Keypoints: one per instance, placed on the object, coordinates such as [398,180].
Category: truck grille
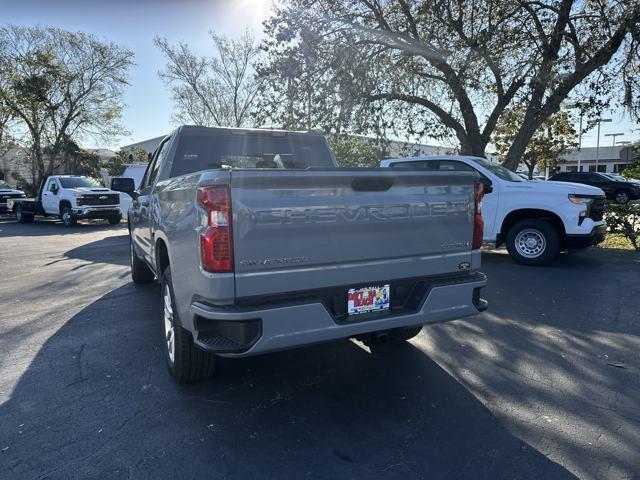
[596,212]
[109,199]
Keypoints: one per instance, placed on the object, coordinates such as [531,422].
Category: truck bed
[30,205]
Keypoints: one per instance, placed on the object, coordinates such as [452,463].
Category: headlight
[580,199]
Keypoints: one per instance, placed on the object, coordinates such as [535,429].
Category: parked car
[7,192]
[71,198]
[618,190]
[262,244]
[536,220]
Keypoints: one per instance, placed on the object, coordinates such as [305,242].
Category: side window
[442,165]
[452,165]
[52,187]
[152,170]
[413,165]
[592,177]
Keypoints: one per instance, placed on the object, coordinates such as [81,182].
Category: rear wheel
[621,197]
[22,216]
[140,271]
[186,362]
[533,242]
[67,217]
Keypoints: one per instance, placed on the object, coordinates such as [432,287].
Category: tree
[356,152]
[553,138]
[213,91]
[116,165]
[61,85]
[465,63]
[633,170]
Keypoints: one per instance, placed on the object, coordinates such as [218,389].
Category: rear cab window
[204,151]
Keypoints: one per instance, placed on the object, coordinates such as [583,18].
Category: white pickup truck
[536,220]
[71,198]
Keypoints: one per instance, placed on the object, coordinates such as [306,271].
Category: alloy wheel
[169,331]
[622,197]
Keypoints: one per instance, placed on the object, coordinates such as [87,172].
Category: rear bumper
[92,212]
[245,331]
[594,237]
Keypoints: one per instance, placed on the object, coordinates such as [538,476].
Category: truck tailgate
[304,230]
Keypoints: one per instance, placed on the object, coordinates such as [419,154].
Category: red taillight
[216,240]
[478,222]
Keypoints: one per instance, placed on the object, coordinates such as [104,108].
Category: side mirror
[486,183]
[124,185]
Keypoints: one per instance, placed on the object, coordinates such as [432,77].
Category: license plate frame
[371,299]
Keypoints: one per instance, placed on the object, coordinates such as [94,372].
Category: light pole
[600,120]
[614,135]
[580,106]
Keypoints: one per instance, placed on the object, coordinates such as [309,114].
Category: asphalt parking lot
[544,385]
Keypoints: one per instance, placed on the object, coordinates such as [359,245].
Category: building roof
[146,145]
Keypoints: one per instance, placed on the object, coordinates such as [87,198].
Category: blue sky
[134,24]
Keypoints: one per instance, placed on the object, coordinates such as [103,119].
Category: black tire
[533,242]
[23,217]
[115,220]
[67,217]
[188,363]
[140,271]
[621,197]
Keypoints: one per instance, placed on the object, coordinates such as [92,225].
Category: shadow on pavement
[45,226]
[558,354]
[97,401]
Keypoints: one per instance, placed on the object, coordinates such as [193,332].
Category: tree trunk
[519,146]
[531,166]
[472,145]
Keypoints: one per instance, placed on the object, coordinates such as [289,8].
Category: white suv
[536,220]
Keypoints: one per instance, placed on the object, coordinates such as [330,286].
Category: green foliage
[553,138]
[356,151]
[633,170]
[116,165]
[625,220]
[447,69]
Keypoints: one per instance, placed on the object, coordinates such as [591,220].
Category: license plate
[368,299]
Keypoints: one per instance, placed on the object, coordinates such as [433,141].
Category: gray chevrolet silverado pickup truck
[261,243]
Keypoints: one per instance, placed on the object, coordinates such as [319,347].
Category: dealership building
[591,159]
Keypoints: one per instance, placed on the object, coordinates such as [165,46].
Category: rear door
[140,207]
[302,230]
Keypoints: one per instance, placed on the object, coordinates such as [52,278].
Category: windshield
[77,182]
[498,170]
[4,184]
